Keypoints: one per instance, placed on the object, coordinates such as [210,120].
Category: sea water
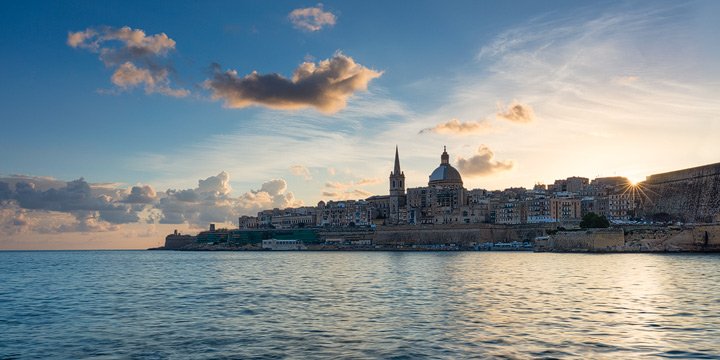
[403,305]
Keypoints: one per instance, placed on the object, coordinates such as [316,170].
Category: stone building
[443,201]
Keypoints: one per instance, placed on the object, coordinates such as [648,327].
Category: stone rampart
[588,240]
[460,235]
[690,195]
[176,242]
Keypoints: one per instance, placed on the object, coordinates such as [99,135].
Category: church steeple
[396,170]
[397,177]
[444,158]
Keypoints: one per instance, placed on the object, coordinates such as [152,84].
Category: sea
[357,305]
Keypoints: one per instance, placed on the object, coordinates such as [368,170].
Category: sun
[635,180]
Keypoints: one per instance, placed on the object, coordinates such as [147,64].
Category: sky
[124,120]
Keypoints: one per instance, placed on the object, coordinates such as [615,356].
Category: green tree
[593,220]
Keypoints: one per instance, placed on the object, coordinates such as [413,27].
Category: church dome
[445,174]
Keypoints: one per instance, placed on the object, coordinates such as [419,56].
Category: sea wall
[690,238]
[588,240]
[673,238]
[460,235]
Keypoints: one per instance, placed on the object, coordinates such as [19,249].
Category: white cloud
[312,18]
[272,194]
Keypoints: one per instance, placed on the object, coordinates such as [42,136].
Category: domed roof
[445,174]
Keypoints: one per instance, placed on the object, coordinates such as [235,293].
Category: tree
[593,220]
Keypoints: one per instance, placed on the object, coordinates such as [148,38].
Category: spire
[396,171]
[444,158]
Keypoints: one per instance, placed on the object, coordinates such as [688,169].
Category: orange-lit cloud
[455,126]
[347,195]
[516,112]
[346,185]
[312,18]
[326,86]
[299,170]
[135,56]
[482,163]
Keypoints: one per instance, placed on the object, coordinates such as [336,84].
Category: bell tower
[397,193]
[397,178]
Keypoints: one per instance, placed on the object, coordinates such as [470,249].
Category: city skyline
[142,124]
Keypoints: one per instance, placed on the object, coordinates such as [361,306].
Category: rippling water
[142,304]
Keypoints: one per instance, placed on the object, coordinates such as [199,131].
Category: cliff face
[690,195]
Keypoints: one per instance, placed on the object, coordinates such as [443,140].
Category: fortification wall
[684,174]
[176,242]
[690,195]
[673,238]
[458,235]
[590,240]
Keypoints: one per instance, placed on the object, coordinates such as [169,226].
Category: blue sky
[523,91]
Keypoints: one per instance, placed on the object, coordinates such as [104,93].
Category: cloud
[210,201]
[86,207]
[135,42]
[482,163]
[218,185]
[368,181]
[326,86]
[347,195]
[46,205]
[455,126]
[272,194]
[516,112]
[141,195]
[135,56]
[344,191]
[346,185]
[299,170]
[336,185]
[626,80]
[312,18]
